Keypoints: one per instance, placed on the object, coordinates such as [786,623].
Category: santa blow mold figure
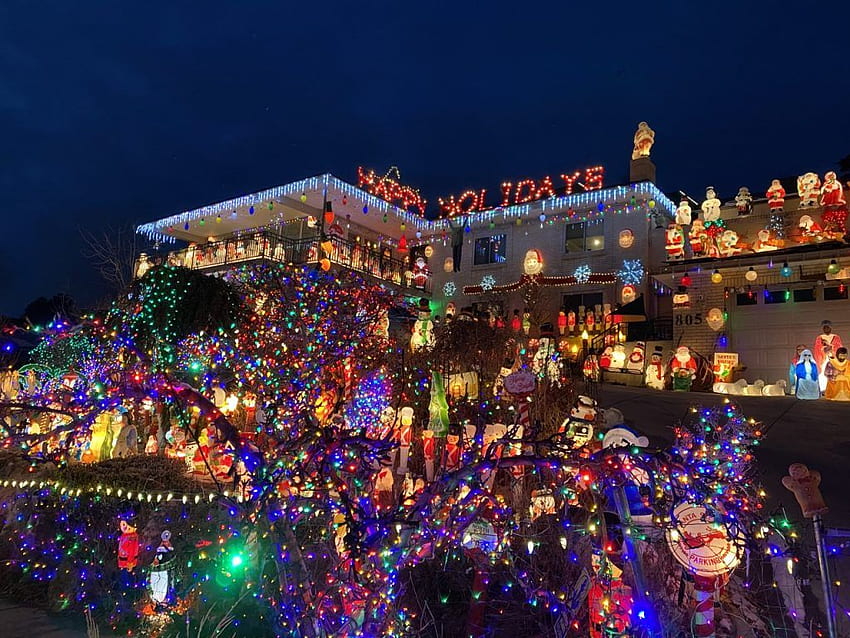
[808,188]
[684,368]
[775,197]
[698,238]
[421,272]
[744,201]
[675,243]
[834,216]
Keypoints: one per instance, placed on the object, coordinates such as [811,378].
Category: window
[584,236]
[834,293]
[490,250]
[486,308]
[589,300]
[749,298]
[776,296]
[804,294]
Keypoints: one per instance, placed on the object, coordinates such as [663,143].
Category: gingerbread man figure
[804,483]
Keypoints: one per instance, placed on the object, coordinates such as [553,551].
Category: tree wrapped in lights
[316,536]
[715,446]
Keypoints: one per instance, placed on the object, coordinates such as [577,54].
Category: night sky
[118,113]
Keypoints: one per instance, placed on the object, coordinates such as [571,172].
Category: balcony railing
[265,245]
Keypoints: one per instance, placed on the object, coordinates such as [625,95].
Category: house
[320,220]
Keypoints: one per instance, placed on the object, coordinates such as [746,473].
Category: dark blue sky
[119,112]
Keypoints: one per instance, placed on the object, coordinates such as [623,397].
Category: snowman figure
[423,329]
[711,206]
[744,201]
[618,357]
[578,426]
[654,376]
[684,213]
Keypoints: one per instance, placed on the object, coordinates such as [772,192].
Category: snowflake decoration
[487,283]
[582,274]
[631,272]
[449,289]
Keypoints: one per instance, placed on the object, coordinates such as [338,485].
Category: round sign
[700,544]
[626,238]
[481,535]
[520,382]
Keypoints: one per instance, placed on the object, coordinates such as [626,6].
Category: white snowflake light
[582,274]
[449,289]
[487,282]
[632,272]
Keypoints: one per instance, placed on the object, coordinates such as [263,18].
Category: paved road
[816,433]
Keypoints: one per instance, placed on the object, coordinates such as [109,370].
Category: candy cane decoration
[704,588]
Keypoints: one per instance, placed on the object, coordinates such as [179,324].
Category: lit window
[490,250]
[585,236]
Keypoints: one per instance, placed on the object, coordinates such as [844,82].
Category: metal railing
[265,245]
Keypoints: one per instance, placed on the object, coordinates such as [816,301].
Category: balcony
[267,246]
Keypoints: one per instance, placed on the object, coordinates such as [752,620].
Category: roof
[277,205]
[298,200]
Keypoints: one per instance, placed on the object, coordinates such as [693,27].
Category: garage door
[765,333]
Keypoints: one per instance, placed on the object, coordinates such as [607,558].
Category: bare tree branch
[112,252]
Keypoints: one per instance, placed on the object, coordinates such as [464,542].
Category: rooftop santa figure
[744,201]
[834,216]
[808,188]
[698,238]
[675,243]
[775,196]
[810,229]
[644,139]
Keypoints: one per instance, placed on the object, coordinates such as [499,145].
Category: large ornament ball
[652,203]
[303,197]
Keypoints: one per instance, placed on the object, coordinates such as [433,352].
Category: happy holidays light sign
[471,201]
